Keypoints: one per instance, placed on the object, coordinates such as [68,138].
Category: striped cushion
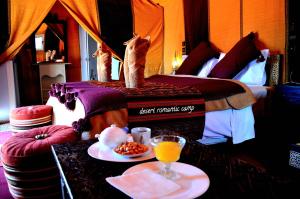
[29,166]
[27,117]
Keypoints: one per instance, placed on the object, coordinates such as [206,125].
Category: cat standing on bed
[103,63]
[134,61]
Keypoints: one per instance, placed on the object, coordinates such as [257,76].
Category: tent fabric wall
[173,31]
[269,23]
[224,23]
[22,25]
[231,20]
[149,20]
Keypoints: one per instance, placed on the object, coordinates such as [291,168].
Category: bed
[139,106]
[222,112]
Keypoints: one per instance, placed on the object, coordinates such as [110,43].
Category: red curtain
[196,22]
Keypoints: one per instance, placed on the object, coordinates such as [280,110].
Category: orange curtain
[148,20]
[85,13]
[173,31]
[25,17]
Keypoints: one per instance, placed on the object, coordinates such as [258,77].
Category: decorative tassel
[62,99]
[69,97]
[81,125]
[70,104]
[51,93]
[63,89]
[57,94]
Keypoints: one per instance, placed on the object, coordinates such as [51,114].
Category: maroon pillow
[197,57]
[237,58]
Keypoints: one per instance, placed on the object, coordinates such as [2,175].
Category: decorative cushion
[29,166]
[237,58]
[254,73]
[197,57]
[27,117]
[209,65]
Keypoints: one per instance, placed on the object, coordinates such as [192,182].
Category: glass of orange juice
[167,149]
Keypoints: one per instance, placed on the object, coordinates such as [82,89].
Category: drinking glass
[167,149]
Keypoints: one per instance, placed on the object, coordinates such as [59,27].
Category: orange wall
[269,23]
[224,23]
[148,20]
[230,20]
[173,31]
[73,71]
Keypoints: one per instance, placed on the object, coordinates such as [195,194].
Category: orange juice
[167,151]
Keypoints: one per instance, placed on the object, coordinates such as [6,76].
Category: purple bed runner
[95,99]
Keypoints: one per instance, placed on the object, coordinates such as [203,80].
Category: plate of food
[101,152]
[131,150]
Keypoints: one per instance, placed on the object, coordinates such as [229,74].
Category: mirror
[50,42]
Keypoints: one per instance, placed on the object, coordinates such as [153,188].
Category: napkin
[143,184]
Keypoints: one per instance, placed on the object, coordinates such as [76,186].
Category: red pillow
[197,57]
[237,58]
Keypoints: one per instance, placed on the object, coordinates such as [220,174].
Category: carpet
[4,192]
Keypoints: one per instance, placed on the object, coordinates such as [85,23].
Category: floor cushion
[29,166]
[27,117]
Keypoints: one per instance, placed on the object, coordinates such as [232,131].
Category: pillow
[209,65]
[254,73]
[197,57]
[237,58]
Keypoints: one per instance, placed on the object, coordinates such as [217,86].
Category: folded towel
[143,184]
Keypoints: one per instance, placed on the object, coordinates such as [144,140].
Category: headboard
[273,69]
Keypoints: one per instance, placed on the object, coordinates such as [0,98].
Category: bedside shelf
[51,73]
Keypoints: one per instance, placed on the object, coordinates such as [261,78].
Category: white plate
[193,181]
[97,151]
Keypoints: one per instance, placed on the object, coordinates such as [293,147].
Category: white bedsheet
[232,123]
[237,124]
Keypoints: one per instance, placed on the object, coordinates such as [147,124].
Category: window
[39,42]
